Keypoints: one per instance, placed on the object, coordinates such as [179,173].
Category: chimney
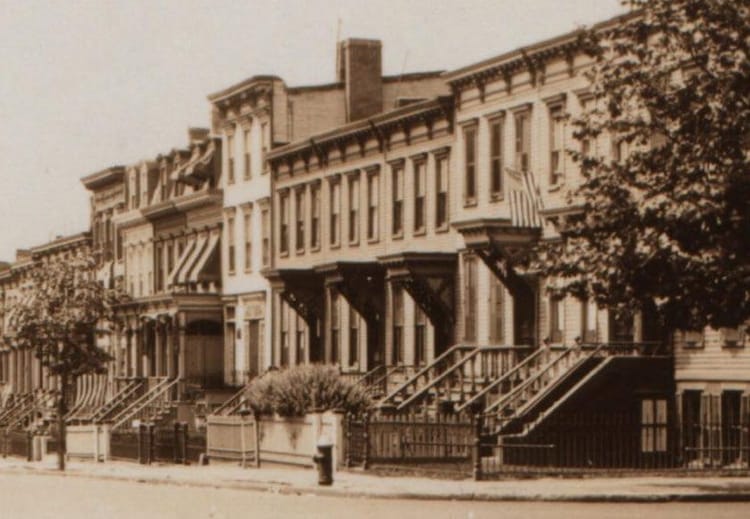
[359,67]
[197,135]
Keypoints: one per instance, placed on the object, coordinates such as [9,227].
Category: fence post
[141,447]
[256,419]
[29,446]
[151,442]
[348,445]
[185,438]
[476,447]
[176,442]
[366,440]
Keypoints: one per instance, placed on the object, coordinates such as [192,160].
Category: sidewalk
[356,484]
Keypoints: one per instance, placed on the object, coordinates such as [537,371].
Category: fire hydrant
[324,461]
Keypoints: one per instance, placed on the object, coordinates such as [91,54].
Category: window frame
[470,147]
[496,155]
[442,177]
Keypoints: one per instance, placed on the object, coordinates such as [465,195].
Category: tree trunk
[61,410]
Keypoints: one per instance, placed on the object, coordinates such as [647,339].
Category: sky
[86,84]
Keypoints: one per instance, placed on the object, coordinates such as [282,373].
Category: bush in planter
[299,390]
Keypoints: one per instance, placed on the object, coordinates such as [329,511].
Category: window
[170,258]
[441,204]
[230,244]
[620,150]
[420,337]
[732,337]
[246,144]
[284,327]
[496,158]
[353,337]
[230,159]
[353,209]
[144,188]
[523,140]
[470,298]
[419,195]
[556,317]
[588,321]
[620,327]
[299,343]
[398,325]
[587,147]
[470,164]
[496,311]
[265,222]
[133,190]
[335,221]
[299,217]
[692,338]
[264,137]
[373,196]
[335,327]
[158,259]
[653,425]
[556,145]
[284,222]
[248,239]
[397,175]
[314,216]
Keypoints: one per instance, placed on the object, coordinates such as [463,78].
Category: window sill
[248,270]
[442,229]
[399,236]
[316,248]
[284,254]
[733,346]
[419,232]
[470,202]
[555,187]
[231,272]
[372,241]
[299,252]
[335,246]
[353,243]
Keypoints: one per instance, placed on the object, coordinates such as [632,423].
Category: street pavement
[300,481]
[48,496]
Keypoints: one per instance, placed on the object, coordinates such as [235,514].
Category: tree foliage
[58,322]
[667,226]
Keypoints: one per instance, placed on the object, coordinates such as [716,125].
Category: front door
[524,316]
[252,347]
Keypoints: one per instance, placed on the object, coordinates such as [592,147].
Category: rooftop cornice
[104,177]
[247,85]
[64,242]
[520,57]
[418,112]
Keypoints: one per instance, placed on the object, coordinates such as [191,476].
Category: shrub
[299,390]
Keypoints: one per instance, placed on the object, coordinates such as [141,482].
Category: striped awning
[196,169]
[184,273]
[212,246]
[173,276]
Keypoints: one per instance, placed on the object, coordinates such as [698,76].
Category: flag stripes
[525,199]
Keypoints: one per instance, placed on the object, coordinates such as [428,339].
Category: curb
[288,489]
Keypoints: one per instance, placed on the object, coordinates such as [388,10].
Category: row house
[22,375]
[252,118]
[163,252]
[364,255]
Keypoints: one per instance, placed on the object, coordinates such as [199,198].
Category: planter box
[230,437]
[88,441]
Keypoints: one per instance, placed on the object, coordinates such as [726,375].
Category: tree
[59,321]
[666,226]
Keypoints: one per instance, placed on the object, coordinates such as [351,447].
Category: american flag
[525,199]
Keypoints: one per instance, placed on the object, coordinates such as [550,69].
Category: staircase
[233,405]
[155,405]
[557,376]
[18,407]
[130,391]
[454,378]
[91,396]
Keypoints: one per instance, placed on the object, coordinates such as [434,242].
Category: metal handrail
[157,392]
[140,400]
[506,376]
[230,404]
[426,370]
[121,396]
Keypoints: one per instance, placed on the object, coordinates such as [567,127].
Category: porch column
[145,358]
[158,345]
[182,346]
[170,349]
[12,372]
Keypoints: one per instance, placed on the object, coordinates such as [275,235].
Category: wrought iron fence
[602,443]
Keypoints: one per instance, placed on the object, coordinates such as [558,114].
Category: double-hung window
[299,219]
[522,121]
[247,144]
[284,222]
[397,200]
[230,159]
[420,195]
[496,157]
[314,215]
[231,252]
[373,199]
[470,164]
[248,229]
[441,201]
[353,200]
[335,212]
[556,145]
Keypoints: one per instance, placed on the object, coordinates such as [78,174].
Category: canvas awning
[203,258]
[173,276]
[182,275]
